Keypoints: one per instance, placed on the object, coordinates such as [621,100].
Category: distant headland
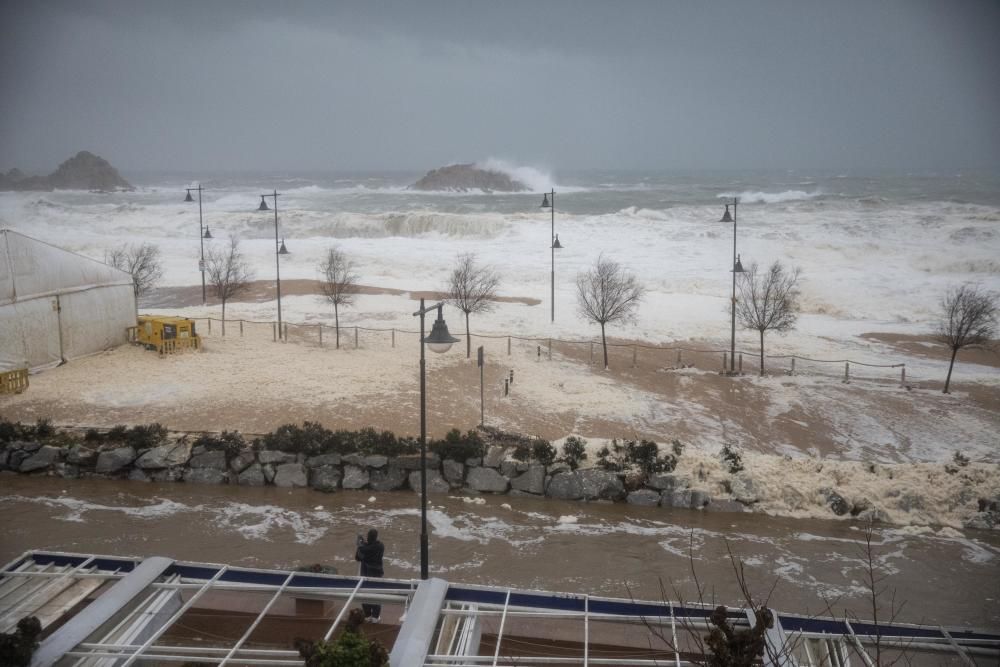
[465,177]
[83,171]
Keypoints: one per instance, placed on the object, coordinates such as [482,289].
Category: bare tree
[141,261]
[472,288]
[607,294]
[768,301]
[228,273]
[969,319]
[338,282]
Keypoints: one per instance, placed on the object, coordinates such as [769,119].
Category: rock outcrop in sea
[83,171]
[466,177]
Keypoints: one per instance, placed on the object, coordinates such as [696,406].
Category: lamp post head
[283,250]
[208,234]
[263,205]
[725,216]
[189,198]
[738,267]
[545,201]
[440,340]
[556,245]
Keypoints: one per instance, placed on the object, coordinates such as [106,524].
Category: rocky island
[83,171]
[466,177]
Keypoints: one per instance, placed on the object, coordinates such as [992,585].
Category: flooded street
[619,550]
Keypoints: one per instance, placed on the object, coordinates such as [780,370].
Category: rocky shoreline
[180,459]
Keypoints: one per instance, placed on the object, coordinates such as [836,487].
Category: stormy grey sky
[411,85]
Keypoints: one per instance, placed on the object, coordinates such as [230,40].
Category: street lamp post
[279,249]
[440,341]
[737,268]
[553,243]
[203,234]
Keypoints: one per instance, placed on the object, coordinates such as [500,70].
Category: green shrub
[44,429]
[117,433]
[459,447]
[350,649]
[522,452]
[642,455]
[574,451]
[10,431]
[543,452]
[732,457]
[145,437]
[93,435]
[230,442]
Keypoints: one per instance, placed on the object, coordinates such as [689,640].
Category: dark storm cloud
[266,85]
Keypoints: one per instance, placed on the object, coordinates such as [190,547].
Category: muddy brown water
[604,549]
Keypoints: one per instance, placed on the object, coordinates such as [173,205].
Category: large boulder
[41,459]
[274,457]
[494,456]
[323,460]
[412,461]
[215,460]
[324,478]
[487,480]
[81,456]
[664,482]
[454,471]
[596,483]
[565,486]
[435,482]
[376,461]
[206,475]
[252,475]
[291,475]
[646,497]
[165,456]
[465,177]
[685,498]
[242,461]
[113,460]
[532,481]
[744,490]
[390,478]
[837,503]
[355,477]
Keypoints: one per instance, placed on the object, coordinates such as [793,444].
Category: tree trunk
[762,352]
[954,351]
[604,344]
[468,338]
[223,317]
[336,324]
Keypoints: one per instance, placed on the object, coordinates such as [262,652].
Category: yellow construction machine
[166,335]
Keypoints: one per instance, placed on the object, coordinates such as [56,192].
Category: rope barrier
[537,339]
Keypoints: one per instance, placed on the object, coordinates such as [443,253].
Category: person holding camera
[369,553]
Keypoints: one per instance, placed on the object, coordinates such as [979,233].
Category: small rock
[837,503]
[645,497]
[206,475]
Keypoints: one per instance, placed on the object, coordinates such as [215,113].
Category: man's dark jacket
[370,556]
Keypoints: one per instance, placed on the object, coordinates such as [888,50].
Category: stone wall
[496,472]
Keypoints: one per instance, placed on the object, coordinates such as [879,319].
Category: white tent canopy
[56,305]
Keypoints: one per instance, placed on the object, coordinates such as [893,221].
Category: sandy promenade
[253,384]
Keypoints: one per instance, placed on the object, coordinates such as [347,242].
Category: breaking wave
[758,197]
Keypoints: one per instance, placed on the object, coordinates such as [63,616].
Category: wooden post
[550,350]
[286,332]
[241,328]
[394,336]
[680,358]
[792,372]
[633,356]
[210,325]
[508,346]
[591,354]
[274,331]
[320,334]
[355,338]
[538,354]
[741,363]
[847,371]
[506,387]
[725,357]
[902,376]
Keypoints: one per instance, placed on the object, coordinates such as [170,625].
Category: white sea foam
[751,197]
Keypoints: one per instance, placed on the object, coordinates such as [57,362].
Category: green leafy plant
[543,452]
[230,442]
[44,429]
[144,437]
[574,451]
[350,649]
[459,447]
[638,455]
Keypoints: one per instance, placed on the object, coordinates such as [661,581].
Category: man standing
[369,553]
